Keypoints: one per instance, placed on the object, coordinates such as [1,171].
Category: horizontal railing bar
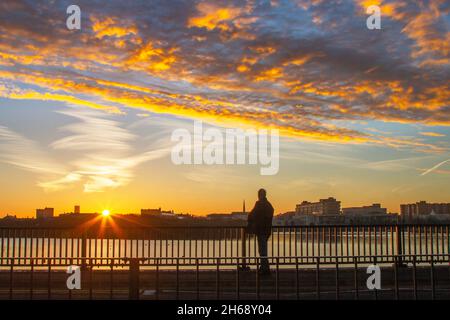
[212,265]
[140,227]
[231,257]
[312,264]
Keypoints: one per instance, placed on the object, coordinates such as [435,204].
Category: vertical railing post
[396,279]
[134,279]
[399,243]
[83,250]
[244,248]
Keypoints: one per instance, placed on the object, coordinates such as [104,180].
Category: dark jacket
[260,218]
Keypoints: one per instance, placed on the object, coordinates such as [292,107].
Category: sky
[86,116]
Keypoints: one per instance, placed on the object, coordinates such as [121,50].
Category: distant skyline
[86,115]
[106,209]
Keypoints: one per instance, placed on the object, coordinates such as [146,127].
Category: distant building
[239,216]
[285,219]
[76,210]
[156,212]
[235,215]
[423,208]
[218,216]
[10,217]
[168,213]
[45,213]
[150,212]
[373,210]
[324,207]
[293,219]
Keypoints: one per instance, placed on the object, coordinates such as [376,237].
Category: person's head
[261,194]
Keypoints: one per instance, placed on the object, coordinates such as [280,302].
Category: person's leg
[266,260]
[262,248]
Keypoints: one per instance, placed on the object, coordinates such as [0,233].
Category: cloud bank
[308,68]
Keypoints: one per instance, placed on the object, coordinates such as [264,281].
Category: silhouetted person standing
[260,224]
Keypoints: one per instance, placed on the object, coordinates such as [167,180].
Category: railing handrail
[226,227]
[234,257]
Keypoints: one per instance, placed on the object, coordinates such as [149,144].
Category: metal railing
[329,277]
[209,243]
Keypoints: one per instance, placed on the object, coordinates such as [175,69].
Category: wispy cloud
[22,152]
[101,150]
[394,164]
[434,167]
[432,134]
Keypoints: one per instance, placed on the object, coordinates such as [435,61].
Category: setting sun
[105,213]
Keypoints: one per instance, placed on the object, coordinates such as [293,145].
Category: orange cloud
[432,134]
[212,17]
[421,29]
[28,94]
[431,45]
[265,80]
[111,27]
[151,58]
[270,75]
